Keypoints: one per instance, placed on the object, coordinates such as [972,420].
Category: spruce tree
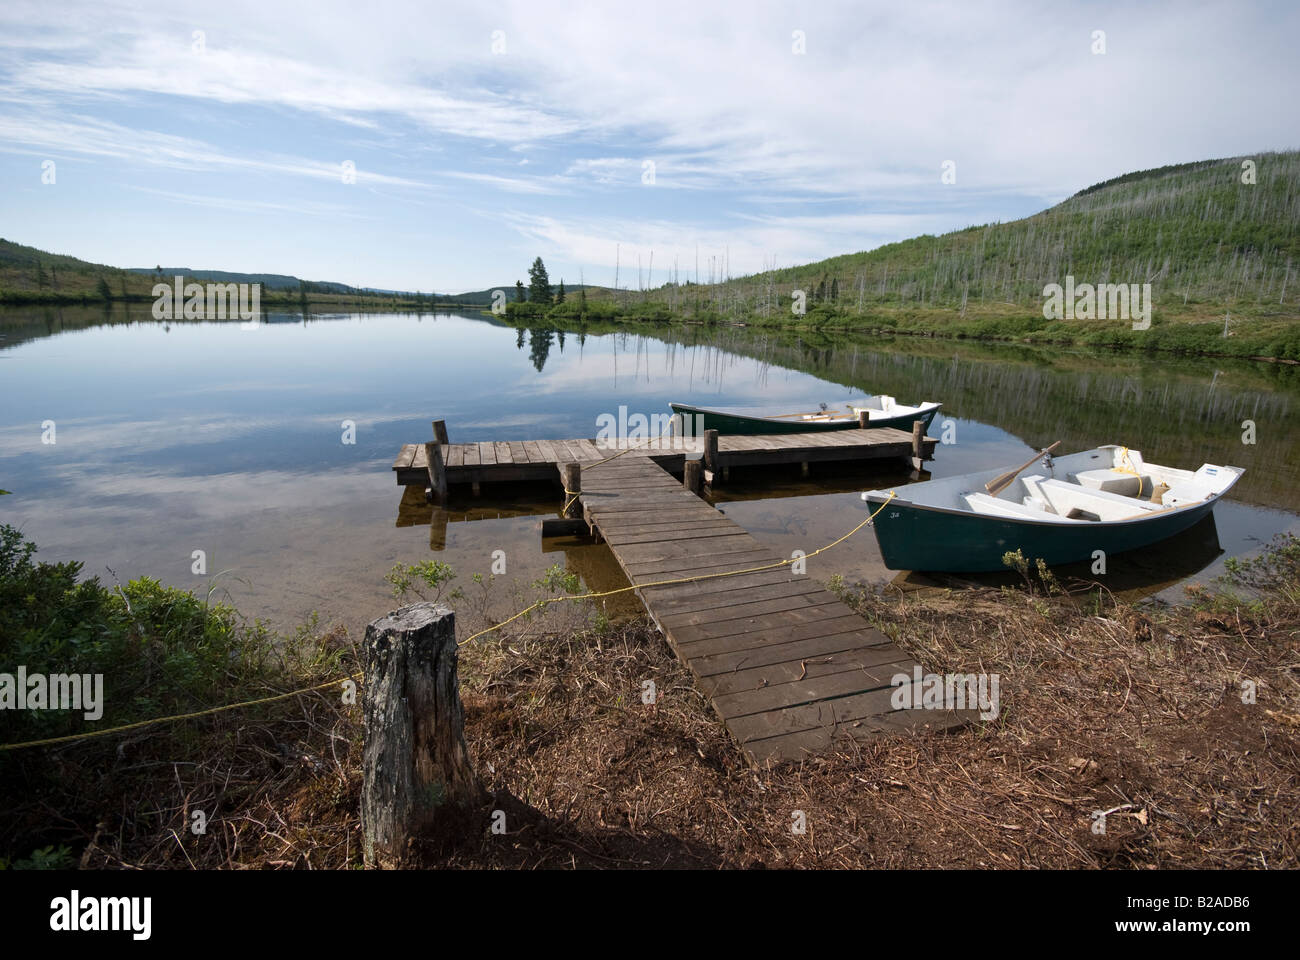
[539,284]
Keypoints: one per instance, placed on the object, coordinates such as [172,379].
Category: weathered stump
[416,767]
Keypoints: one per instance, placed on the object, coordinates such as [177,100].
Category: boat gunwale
[882,497]
[920,411]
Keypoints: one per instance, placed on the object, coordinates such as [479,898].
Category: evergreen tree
[582,301]
[539,284]
[104,292]
[559,297]
[835,289]
[520,295]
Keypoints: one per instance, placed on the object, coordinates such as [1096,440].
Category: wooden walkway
[511,461]
[789,668]
[516,460]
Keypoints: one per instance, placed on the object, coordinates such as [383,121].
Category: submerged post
[572,489]
[693,476]
[437,472]
[417,774]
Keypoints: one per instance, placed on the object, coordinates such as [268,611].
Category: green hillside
[1220,254]
[1195,231]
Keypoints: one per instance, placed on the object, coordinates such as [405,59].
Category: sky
[224,136]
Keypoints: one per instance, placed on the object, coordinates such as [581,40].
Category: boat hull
[739,424]
[935,539]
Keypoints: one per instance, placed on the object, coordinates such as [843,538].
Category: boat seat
[1181,494]
[1115,481]
[986,505]
[1065,497]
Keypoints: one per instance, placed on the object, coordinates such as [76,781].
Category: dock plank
[404,456]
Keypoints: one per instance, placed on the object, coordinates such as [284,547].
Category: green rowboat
[883,412]
[1106,499]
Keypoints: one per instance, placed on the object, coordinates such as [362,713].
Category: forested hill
[1196,231]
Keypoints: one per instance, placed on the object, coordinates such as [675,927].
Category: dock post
[918,444]
[440,432]
[693,476]
[711,455]
[437,472]
[864,419]
[417,777]
[572,489]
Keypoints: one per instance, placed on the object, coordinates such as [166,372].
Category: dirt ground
[1136,711]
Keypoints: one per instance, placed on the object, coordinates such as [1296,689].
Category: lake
[231,439]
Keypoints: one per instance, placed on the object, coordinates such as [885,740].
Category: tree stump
[417,773]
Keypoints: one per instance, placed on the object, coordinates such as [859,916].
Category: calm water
[213,437]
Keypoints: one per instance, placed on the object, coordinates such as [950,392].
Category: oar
[1000,483]
[811,413]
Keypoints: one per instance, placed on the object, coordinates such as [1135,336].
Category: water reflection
[193,435]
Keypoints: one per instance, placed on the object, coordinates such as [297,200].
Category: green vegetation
[1216,240]
[161,651]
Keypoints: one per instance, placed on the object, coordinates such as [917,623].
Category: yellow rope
[679,580]
[179,716]
[1130,468]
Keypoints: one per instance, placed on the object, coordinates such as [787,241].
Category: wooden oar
[1001,482]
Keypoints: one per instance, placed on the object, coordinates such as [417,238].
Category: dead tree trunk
[417,773]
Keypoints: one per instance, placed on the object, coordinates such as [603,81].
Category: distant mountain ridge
[269,281]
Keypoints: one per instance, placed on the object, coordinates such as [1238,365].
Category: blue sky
[486,134]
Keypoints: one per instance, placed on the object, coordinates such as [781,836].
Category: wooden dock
[721,453]
[789,668]
[439,463]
